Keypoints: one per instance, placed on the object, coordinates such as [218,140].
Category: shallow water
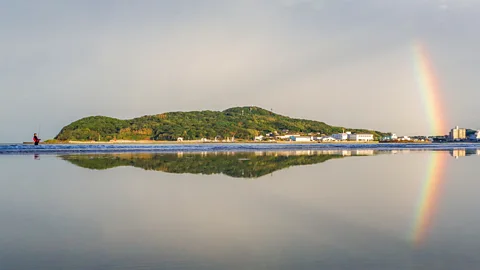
[220,147]
[292,209]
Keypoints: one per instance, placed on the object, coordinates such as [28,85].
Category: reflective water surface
[325,209]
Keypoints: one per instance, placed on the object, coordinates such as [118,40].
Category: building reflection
[458,153]
[231,163]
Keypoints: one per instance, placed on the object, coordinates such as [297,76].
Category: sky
[347,63]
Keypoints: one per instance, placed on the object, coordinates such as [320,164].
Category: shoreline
[149,142]
[197,142]
[176,147]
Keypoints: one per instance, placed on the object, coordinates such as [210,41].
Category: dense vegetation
[238,122]
[240,165]
[470,132]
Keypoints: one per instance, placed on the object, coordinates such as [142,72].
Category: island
[238,124]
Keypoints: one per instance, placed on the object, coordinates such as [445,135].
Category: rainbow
[430,191]
[429,89]
[429,196]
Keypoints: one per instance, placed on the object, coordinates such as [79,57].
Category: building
[360,137]
[301,138]
[457,134]
[180,139]
[258,138]
[392,137]
[286,137]
[326,139]
[340,136]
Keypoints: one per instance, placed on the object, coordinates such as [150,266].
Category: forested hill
[240,122]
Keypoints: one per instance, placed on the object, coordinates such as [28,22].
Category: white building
[301,138]
[258,138]
[180,139]
[326,139]
[404,138]
[282,137]
[392,137]
[286,137]
[340,136]
[360,137]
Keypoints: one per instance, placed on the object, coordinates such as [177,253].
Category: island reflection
[233,164]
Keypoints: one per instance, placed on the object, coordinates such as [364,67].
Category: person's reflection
[36,156]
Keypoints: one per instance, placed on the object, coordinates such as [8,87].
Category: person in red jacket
[36,140]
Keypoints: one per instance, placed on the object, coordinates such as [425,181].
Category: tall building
[457,134]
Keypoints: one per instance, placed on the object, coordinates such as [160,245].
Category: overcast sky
[347,63]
